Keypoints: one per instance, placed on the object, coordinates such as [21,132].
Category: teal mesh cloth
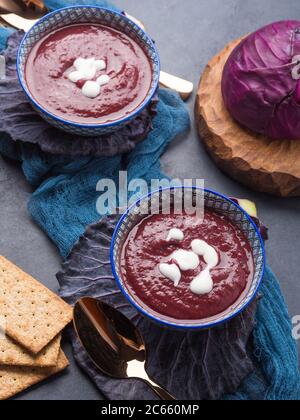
[64,203]
[4,33]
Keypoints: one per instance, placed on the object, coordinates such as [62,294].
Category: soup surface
[148,246]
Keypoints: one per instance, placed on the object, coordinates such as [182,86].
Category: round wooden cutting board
[270,166]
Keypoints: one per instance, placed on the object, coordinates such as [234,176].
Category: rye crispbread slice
[12,354]
[33,315]
[15,379]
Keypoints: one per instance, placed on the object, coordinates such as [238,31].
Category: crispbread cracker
[13,355]
[33,315]
[14,380]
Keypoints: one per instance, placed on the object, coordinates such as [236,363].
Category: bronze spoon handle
[9,7]
[161,392]
[137,369]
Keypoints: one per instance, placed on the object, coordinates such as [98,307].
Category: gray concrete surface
[188,33]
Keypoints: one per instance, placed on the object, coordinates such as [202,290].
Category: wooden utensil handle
[183,87]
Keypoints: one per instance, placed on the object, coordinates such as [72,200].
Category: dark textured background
[188,34]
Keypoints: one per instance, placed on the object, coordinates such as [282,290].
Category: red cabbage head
[261,81]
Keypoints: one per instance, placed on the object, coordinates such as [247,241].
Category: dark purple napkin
[199,365]
[22,124]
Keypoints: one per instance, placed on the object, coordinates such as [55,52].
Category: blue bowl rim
[112,124]
[171,324]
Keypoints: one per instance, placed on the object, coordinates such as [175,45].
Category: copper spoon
[18,20]
[27,9]
[8,6]
[113,343]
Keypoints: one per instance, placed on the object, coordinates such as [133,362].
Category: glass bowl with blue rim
[94,15]
[213,201]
